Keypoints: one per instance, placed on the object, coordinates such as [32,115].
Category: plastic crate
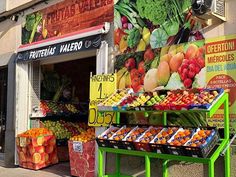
[203,151]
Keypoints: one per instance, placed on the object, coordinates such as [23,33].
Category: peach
[163,73]
[191,51]
[167,57]
[176,61]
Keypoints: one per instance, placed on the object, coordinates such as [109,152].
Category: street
[59,170]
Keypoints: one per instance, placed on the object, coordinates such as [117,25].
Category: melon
[150,80]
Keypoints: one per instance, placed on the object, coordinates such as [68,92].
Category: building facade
[12,15]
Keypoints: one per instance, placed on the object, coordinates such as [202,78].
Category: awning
[86,39]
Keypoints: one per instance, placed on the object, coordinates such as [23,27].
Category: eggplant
[183,35]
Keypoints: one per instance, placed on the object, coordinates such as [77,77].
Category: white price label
[22,142]
[78,146]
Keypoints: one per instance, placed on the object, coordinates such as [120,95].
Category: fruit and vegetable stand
[209,160]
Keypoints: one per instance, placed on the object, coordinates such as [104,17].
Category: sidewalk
[59,170]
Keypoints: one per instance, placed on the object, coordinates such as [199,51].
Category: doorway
[3,106]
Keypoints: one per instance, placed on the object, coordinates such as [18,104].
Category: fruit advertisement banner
[101,86]
[172,67]
[143,24]
[221,72]
[66,17]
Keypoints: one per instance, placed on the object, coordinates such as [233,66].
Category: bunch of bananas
[123,78]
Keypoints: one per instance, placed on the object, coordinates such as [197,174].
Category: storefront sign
[87,43]
[66,17]
[101,86]
[221,72]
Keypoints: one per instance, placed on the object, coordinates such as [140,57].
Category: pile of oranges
[85,136]
[35,132]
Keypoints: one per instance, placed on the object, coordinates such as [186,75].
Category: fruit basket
[189,99]
[176,143]
[116,139]
[202,143]
[102,140]
[158,143]
[142,143]
[113,101]
[206,98]
[133,135]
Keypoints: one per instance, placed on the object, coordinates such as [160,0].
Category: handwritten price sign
[101,86]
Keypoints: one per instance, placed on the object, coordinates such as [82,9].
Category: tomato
[130,63]
[134,73]
[141,67]
[118,35]
[149,55]
[135,82]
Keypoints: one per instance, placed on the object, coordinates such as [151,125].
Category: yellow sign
[101,86]
[221,73]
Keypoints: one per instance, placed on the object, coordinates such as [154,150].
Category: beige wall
[9,36]
[12,4]
[2,6]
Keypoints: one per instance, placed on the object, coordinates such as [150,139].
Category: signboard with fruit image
[66,17]
[221,72]
[175,67]
[143,24]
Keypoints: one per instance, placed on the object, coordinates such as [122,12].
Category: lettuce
[200,79]
[174,82]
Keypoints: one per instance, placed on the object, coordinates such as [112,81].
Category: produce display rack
[210,160]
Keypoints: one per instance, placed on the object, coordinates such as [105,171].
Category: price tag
[101,86]
[78,146]
[22,142]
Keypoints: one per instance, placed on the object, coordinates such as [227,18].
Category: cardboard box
[82,158]
[36,153]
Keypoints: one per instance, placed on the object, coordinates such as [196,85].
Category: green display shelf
[210,161]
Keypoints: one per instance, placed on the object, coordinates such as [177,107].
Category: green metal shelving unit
[210,161]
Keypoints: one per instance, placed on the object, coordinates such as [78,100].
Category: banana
[127,80]
[122,82]
[120,74]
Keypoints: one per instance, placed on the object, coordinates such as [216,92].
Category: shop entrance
[65,91]
[3,106]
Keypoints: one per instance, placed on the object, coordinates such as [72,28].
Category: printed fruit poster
[66,17]
[221,72]
[172,67]
[151,24]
